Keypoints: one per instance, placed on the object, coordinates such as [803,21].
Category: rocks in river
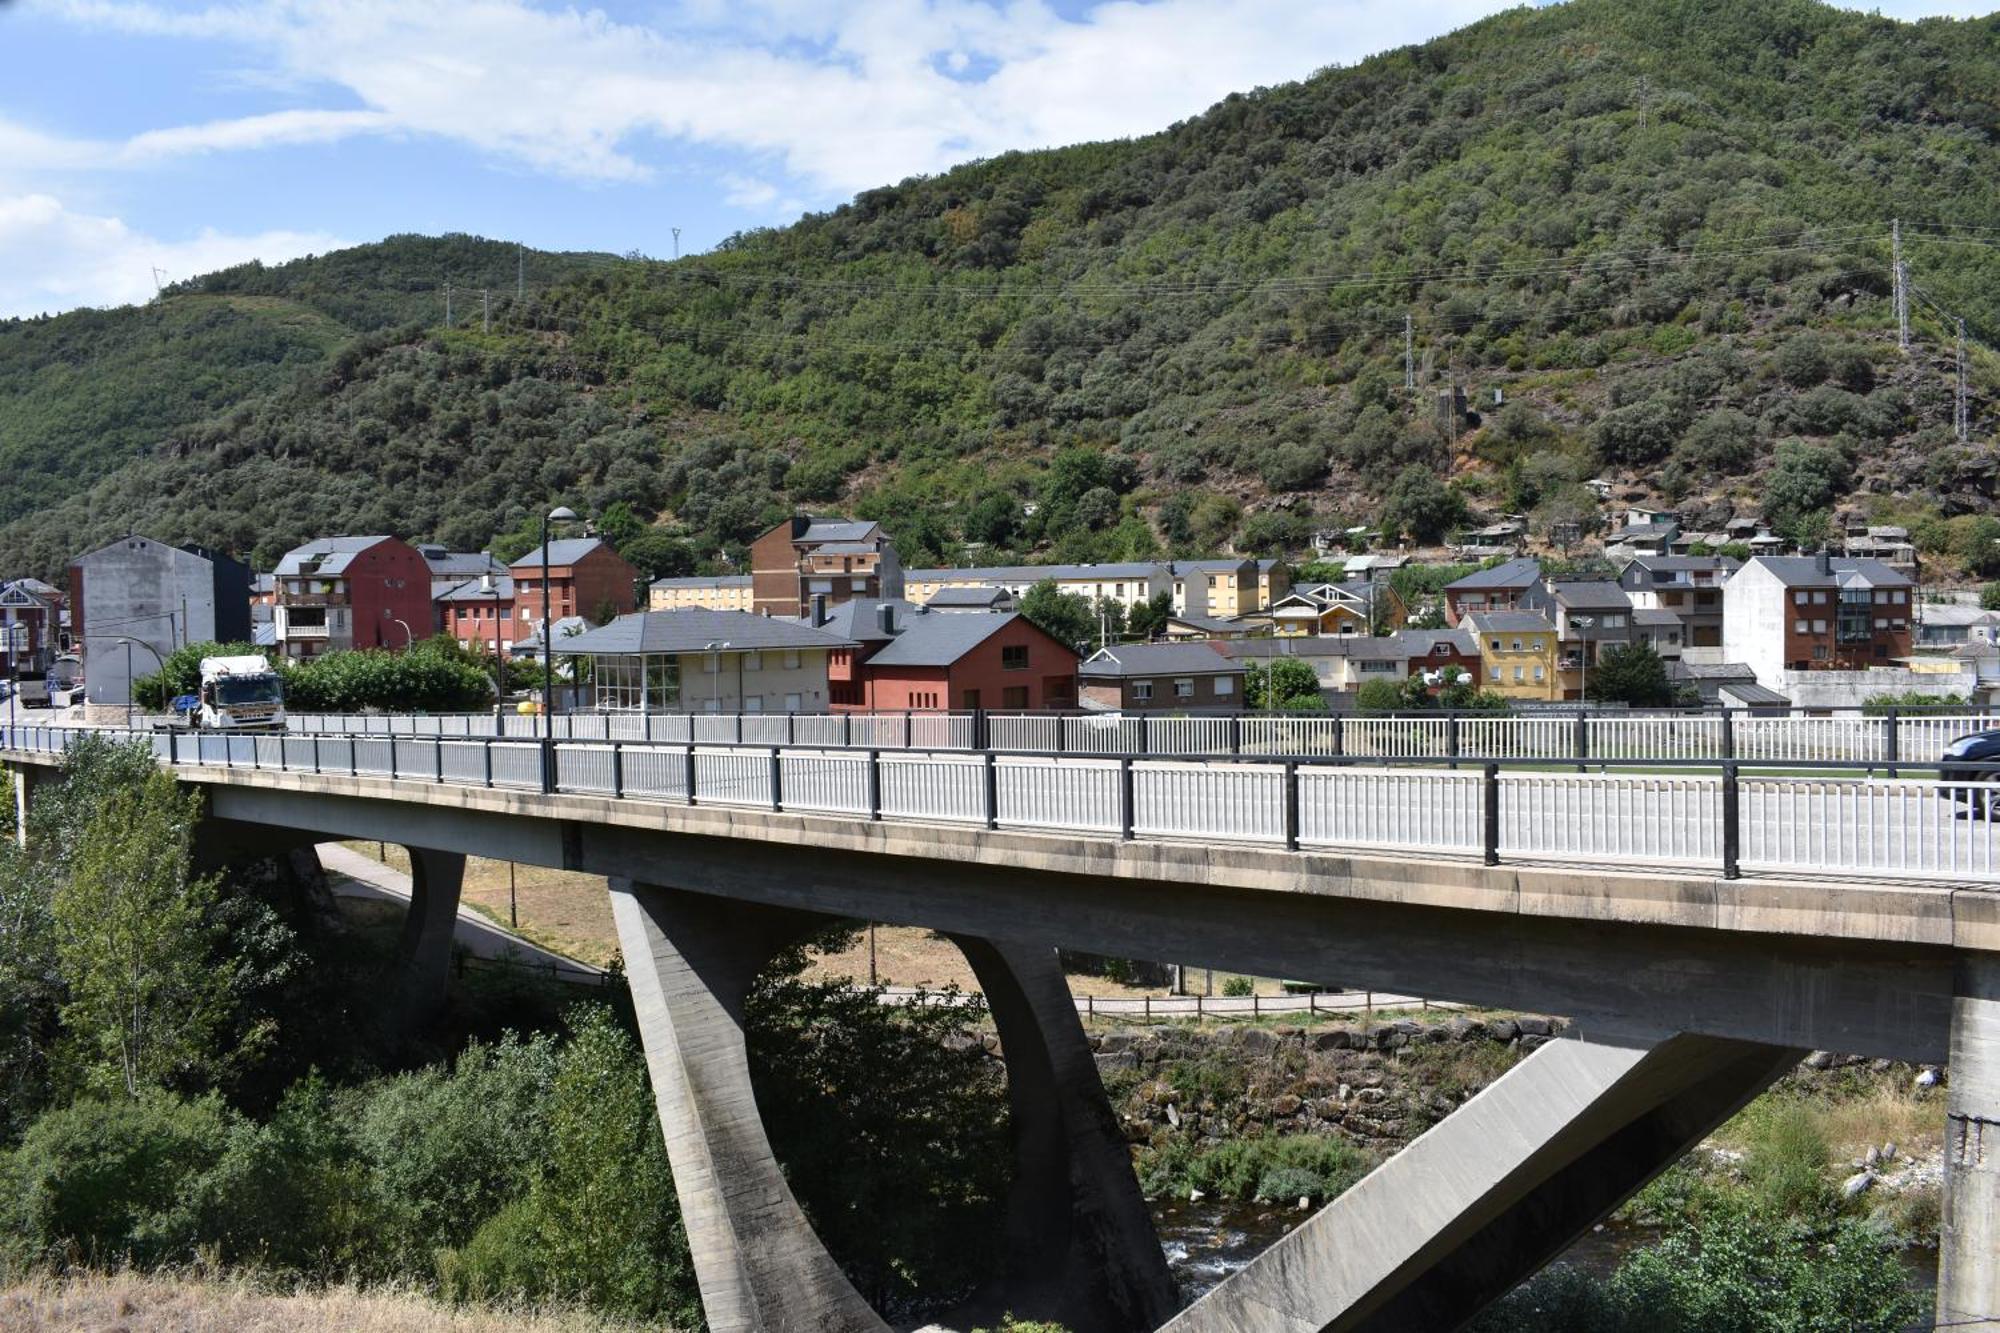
[1503,1029]
[1534,1027]
[1928,1077]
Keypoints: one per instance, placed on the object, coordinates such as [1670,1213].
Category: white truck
[240,694]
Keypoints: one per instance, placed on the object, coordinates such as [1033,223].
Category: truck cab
[240,694]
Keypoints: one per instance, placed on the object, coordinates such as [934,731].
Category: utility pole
[1902,285]
[1409,351]
[447,305]
[1962,403]
[159,287]
[485,310]
[677,242]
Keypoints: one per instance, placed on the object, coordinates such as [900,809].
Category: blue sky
[136,135]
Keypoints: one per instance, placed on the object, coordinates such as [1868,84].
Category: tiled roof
[1595,595]
[1508,622]
[563,551]
[1159,659]
[327,555]
[939,641]
[1803,571]
[823,530]
[1512,574]
[693,629]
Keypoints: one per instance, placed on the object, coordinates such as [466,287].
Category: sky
[140,139]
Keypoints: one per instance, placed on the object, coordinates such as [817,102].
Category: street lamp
[716,647]
[409,639]
[560,514]
[489,588]
[1583,653]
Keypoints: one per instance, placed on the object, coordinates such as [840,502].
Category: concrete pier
[423,953]
[1968,1295]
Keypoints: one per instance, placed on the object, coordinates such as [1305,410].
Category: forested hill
[1657,229]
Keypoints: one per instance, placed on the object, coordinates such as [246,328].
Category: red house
[351,592]
[586,578]
[910,658]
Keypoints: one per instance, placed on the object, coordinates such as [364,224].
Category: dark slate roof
[1651,615]
[1752,695]
[1300,645]
[460,564]
[860,618]
[328,555]
[823,530]
[979,597]
[1684,564]
[1206,624]
[1160,659]
[939,641]
[471,591]
[1595,595]
[1802,571]
[709,581]
[1712,670]
[562,551]
[1034,573]
[1513,574]
[693,629]
[1422,641]
[1509,622]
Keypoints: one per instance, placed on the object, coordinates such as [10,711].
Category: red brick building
[586,578]
[351,592]
[30,626]
[835,559]
[909,658]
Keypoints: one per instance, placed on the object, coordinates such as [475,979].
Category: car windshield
[233,690]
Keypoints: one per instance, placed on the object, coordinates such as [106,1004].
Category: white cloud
[52,258]
[266,131]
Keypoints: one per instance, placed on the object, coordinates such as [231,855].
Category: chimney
[887,613]
[1825,561]
[818,609]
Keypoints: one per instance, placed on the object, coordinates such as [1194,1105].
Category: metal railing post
[1236,733]
[791,727]
[846,729]
[1339,734]
[992,776]
[1451,738]
[1145,744]
[1582,738]
[982,736]
[1489,792]
[739,722]
[437,757]
[548,765]
[486,763]
[1291,805]
[1728,734]
[909,730]
[874,784]
[617,771]
[687,773]
[1732,823]
[1125,802]
[777,778]
[170,750]
[1892,743]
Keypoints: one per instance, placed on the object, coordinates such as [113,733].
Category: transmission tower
[1409,351]
[1902,272]
[1962,403]
[447,305]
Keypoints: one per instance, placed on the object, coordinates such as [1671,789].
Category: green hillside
[1657,230]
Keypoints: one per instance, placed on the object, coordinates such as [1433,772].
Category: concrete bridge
[1697,958]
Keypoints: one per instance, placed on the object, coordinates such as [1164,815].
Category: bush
[1802,362]
[107,1179]
[1379,696]
[1785,1166]
[1238,987]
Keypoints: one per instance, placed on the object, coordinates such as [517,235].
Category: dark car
[1982,747]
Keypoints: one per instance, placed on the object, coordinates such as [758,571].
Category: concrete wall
[1756,616]
[766,687]
[146,590]
[1850,689]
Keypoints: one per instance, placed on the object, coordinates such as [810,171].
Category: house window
[1800,597]
[1013,696]
[753,703]
[1798,627]
[1142,690]
[1821,652]
[1224,687]
[1014,657]
[792,660]
[1517,645]
[1819,597]
[1496,645]
[1898,596]
[1538,674]
[753,661]
[1499,673]
[1184,688]
[1819,627]
[794,702]
[1518,675]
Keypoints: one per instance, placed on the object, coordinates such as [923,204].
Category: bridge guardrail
[1760,816]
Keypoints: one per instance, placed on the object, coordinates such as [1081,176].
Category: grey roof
[461,564]
[845,548]
[1752,695]
[568,630]
[1034,573]
[1684,564]
[1207,624]
[938,641]
[1422,641]
[860,618]
[1934,613]
[562,551]
[979,597]
[1646,532]
[1513,574]
[711,581]
[472,591]
[1713,670]
[1358,646]
[823,530]
[693,629]
[1159,659]
[1508,622]
[1649,615]
[1594,595]
[1802,571]
[328,555]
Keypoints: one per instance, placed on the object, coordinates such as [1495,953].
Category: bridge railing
[1783,816]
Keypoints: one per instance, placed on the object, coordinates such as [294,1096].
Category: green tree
[1065,615]
[659,555]
[1282,684]
[1805,481]
[1379,696]
[1420,504]
[1631,673]
[1150,617]
[1989,596]
[136,938]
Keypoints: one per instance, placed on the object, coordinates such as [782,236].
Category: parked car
[1980,747]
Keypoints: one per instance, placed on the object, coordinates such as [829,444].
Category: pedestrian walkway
[353,875]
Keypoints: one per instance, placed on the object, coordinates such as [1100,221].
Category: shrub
[1786,1163]
[1802,362]
[108,1178]
[1237,987]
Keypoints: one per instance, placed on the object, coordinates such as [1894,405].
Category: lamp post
[1583,623]
[409,639]
[715,650]
[560,514]
[488,588]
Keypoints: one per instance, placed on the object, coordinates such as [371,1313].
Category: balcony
[312,599]
[304,632]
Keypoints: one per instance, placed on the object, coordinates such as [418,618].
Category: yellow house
[1517,650]
[731,593]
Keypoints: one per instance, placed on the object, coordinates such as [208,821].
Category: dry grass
[158,1303]
[1885,1114]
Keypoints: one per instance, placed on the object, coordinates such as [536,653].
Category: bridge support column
[1480,1202]
[1081,1249]
[26,779]
[423,954]
[1968,1293]
[691,960]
